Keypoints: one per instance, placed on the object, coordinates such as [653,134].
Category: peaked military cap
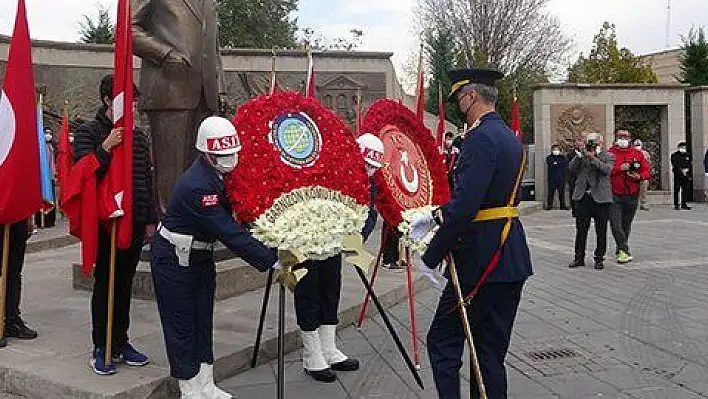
[460,78]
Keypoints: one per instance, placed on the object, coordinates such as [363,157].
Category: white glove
[421,227]
[436,279]
[277,266]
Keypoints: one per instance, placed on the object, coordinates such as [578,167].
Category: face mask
[598,150]
[682,150]
[48,137]
[225,164]
[470,106]
[623,143]
[556,152]
[448,143]
[370,170]
[638,147]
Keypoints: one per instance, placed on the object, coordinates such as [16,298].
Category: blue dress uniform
[486,176]
[184,287]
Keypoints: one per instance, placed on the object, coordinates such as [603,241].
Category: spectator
[592,196]
[451,154]
[557,164]
[15,327]
[570,175]
[643,184]
[681,167]
[629,170]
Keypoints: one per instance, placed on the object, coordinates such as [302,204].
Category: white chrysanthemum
[311,220]
[405,226]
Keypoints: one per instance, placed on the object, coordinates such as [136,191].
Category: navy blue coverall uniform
[486,175]
[557,166]
[317,294]
[185,293]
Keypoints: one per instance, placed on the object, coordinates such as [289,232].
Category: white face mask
[638,147]
[598,150]
[48,137]
[448,143]
[555,152]
[683,150]
[370,170]
[225,163]
[623,143]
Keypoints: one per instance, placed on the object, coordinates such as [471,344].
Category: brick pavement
[633,331]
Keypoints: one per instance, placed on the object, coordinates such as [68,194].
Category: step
[233,277]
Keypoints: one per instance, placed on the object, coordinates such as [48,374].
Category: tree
[257,23]
[309,38]
[100,31]
[607,63]
[440,51]
[694,59]
[505,34]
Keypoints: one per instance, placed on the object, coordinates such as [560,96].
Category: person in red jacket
[631,167]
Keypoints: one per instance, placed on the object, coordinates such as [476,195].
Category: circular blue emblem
[297,138]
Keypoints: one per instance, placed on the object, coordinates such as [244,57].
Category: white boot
[337,360]
[328,337]
[211,391]
[312,358]
[193,387]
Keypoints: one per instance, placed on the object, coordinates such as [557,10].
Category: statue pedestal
[233,277]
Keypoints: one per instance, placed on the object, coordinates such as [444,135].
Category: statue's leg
[171,137]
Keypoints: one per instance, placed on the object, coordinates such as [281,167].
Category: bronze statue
[181,79]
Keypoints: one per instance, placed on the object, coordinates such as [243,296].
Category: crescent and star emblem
[410,185]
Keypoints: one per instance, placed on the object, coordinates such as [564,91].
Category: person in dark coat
[681,168]
[100,138]
[557,165]
[15,327]
[471,224]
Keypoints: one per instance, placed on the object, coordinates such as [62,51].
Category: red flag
[79,199]
[310,88]
[116,191]
[20,188]
[420,90]
[441,118]
[64,156]
[515,120]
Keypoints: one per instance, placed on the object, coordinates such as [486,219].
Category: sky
[388,24]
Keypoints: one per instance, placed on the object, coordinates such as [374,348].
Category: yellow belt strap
[504,212]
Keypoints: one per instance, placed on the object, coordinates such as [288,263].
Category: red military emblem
[405,170]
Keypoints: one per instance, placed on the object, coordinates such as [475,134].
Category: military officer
[183,261]
[317,294]
[471,229]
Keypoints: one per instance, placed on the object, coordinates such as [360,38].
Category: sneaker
[98,363]
[622,257]
[686,207]
[18,329]
[393,266]
[630,257]
[599,265]
[130,356]
[576,263]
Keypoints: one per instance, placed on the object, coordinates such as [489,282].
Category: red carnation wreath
[413,175]
[295,152]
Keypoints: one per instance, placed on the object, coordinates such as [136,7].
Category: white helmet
[372,148]
[217,136]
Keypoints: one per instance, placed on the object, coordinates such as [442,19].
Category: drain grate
[552,354]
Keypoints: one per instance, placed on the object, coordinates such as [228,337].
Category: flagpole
[358,111]
[3,284]
[273,84]
[111,291]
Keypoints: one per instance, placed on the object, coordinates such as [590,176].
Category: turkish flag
[20,184]
[116,190]
[64,156]
[310,88]
[79,202]
[515,119]
[441,118]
